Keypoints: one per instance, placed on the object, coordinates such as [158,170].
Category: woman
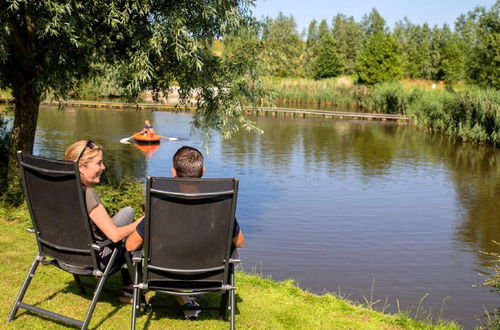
[89,157]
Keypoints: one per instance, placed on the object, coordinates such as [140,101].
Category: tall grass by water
[472,114]
[491,319]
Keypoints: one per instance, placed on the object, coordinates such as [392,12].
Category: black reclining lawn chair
[187,241]
[57,207]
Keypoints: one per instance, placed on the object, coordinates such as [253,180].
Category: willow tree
[52,45]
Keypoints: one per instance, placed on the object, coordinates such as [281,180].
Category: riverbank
[261,302]
[472,114]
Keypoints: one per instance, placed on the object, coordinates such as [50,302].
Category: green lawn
[261,303]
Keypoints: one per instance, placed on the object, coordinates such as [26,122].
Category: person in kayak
[148,129]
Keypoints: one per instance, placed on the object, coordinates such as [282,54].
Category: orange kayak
[139,138]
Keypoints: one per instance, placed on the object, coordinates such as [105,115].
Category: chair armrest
[30,230]
[234,261]
[99,246]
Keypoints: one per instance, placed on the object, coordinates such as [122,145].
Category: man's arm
[238,240]
[134,241]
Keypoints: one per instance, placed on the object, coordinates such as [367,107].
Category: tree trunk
[25,120]
[26,95]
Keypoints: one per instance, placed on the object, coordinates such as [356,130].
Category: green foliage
[373,23]
[387,98]
[106,85]
[349,37]
[416,45]
[473,115]
[484,61]
[379,60]
[117,195]
[492,280]
[452,60]
[327,92]
[311,50]
[282,47]
[327,63]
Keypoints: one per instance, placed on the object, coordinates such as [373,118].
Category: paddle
[169,138]
[125,140]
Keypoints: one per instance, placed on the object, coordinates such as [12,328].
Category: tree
[327,64]
[379,60]
[349,38]
[323,29]
[52,45]
[484,61]
[311,48]
[452,60]
[373,23]
[282,48]
[419,51]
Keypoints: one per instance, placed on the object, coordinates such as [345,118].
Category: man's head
[147,123]
[188,163]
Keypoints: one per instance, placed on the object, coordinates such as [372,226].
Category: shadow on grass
[166,306]
[109,294]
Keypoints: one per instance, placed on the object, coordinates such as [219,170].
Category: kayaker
[148,129]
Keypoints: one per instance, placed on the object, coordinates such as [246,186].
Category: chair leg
[26,283]
[130,266]
[232,301]
[80,284]
[98,289]
[224,306]
[136,306]
[136,303]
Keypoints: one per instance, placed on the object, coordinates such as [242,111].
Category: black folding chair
[57,207]
[187,241]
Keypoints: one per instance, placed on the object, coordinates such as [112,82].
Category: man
[188,163]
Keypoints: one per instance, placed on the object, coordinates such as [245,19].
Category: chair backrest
[188,229]
[56,203]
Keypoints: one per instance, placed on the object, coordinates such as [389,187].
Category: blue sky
[434,12]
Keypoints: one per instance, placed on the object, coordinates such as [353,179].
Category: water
[337,205]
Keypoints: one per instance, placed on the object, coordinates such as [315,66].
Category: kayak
[139,138]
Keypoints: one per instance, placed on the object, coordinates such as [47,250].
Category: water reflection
[374,149]
[147,149]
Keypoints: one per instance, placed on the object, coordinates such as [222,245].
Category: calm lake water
[337,205]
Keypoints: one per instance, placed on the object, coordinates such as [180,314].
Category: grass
[261,302]
[491,319]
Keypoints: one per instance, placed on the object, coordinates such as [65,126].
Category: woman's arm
[101,218]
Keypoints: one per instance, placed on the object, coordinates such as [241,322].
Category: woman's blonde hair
[73,152]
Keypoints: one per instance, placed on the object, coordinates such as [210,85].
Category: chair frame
[143,264]
[45,245]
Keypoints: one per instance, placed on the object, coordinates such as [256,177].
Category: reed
[472,114]
[491,319]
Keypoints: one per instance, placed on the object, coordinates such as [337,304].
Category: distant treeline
[372,52]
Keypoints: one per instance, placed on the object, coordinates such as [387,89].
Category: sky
[433,12]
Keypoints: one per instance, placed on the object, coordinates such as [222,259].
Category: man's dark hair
[188,163]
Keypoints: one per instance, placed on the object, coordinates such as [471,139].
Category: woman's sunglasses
[89,144]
